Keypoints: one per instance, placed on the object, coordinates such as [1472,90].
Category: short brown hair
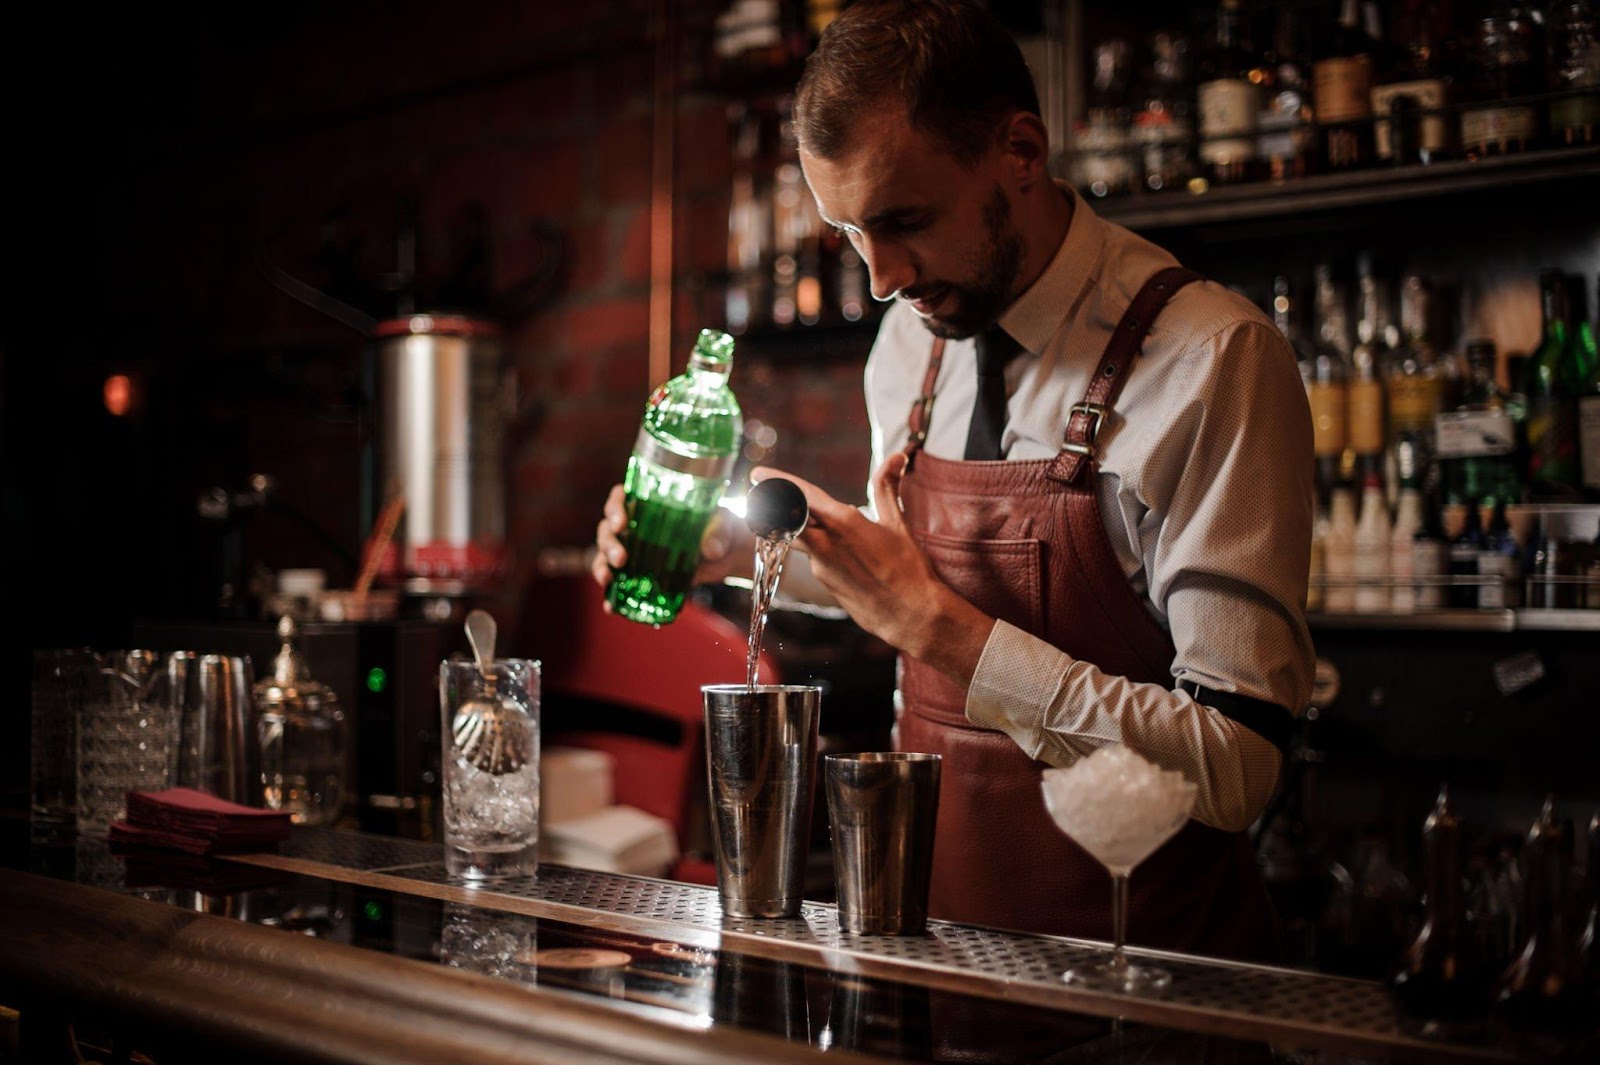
[956,69]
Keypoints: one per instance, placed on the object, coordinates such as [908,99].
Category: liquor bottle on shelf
[1339,551]
[1589,427]
[1464,525]
[796,234]
[1575,75]
[1163,122]
[1285,315]
[1375,341]
[850,281]
[1413,389]
[1551,387]
[1476,442]
[1330,379]
[1227,100]
[1430,559]
[1101,161]
[1372,548]
[1500,564]
[1418,76]
[1442,984]
[1541,997]
[1551,563]
[1408,523]
[1498,116]
[1286,136]
[749,225]
[681,464]
[1342,78]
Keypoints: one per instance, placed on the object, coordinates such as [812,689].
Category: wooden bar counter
[343,947]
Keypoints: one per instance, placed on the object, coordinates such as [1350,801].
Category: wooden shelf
[1359,189]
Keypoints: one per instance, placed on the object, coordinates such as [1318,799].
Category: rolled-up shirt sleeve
[1228,537]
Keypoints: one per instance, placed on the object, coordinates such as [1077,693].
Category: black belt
[1268,720]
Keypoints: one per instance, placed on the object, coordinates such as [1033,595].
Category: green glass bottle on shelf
[1551,388]
[681,465]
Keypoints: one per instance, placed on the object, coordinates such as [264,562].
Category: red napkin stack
[194,822]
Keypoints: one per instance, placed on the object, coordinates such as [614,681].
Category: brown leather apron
[1023,542]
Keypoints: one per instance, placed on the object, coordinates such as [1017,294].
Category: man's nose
[889,267]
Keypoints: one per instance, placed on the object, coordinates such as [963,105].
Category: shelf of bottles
[1290,115]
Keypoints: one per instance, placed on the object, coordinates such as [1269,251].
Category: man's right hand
[726,550]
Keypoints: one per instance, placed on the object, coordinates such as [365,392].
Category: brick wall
[219,144]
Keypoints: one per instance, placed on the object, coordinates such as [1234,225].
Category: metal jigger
[776,509]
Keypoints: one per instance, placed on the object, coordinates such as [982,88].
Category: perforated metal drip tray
[1239,1000]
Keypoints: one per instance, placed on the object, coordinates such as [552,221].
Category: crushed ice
[1116,805]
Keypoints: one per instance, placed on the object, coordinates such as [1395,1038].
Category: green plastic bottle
[682,462]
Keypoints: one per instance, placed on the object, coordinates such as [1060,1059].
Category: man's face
[934,234]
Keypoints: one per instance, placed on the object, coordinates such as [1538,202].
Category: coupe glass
[1120,831]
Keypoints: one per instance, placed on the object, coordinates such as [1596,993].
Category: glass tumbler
[490,760]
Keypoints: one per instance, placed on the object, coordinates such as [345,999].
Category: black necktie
[995,349]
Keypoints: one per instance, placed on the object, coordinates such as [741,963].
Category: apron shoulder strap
[1077,449]
[922,408]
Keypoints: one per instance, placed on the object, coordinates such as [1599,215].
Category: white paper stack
[574,782]
[616,839]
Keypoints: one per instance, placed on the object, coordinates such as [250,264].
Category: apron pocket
[1002,578]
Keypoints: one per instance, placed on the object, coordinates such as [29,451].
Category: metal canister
[446,398]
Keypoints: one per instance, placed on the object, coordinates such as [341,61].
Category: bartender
[1092,501]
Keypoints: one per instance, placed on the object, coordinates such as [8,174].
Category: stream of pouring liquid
[770,554]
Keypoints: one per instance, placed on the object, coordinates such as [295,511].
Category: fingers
[886,491]
[609,552]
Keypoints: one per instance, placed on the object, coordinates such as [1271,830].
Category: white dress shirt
[1205,489]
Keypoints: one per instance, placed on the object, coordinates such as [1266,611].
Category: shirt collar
[1035,317]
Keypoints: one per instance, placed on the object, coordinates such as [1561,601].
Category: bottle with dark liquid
[1465,547]
[1541,997]
[1342,78]
[1575,75]
[1286,136]
[1418,76]
[1163,121]
[1551,387]
[1442,985]
[1499,118]
[1101,162]
[1227,100]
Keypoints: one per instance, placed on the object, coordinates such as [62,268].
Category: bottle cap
[712,351]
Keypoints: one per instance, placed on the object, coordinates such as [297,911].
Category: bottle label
[1101,163]
[1342,87]
[1497,127]
[1228,111]
[1576,114]
[711,467]
[1589,439]
[1413,399]
[1328,418]
[1461,434]
[1366,417]
[1429,94]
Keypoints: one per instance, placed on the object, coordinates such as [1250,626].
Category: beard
[978,302]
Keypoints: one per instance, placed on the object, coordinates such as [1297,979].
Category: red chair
[633,691]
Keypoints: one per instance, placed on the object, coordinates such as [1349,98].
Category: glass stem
[1119,919]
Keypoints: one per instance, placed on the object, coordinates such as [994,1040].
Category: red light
[118,394]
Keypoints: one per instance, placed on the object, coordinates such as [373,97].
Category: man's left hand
[881,577]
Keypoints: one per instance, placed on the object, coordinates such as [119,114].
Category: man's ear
[1027,150]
